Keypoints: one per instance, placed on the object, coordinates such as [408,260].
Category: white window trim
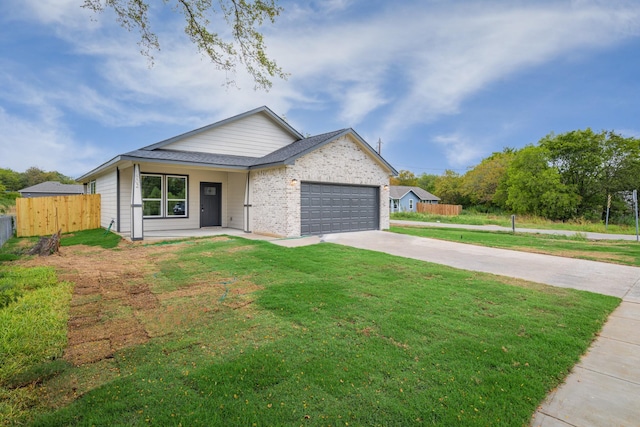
[164,200]
[185,200]
[148,199]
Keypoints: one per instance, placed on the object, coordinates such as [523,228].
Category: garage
[336,208]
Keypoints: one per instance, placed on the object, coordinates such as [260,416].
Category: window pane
[176,208]
[151,187]
[176,196]
[151,208]
[176,188]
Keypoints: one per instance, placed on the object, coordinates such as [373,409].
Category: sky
[443,84]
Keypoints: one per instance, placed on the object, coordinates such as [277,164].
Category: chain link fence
[6,228]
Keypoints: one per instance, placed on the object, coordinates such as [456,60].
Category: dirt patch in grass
[113,306]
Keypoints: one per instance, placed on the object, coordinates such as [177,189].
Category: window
[176,196]
[92,187]
[411,204]
[164,195]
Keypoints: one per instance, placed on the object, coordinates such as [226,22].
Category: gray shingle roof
[398,192]
[54,187]
[282,156]
[298,148]
[191,157]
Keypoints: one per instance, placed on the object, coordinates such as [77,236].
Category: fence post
[635,202]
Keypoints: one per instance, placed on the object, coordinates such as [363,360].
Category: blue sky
[442,83]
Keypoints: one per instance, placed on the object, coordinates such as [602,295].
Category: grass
[333,335]
[34,310]
[97,237]
[15,248]
[474,218]
[33,329]
[574,246]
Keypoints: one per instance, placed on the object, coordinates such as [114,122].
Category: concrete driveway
[603,389]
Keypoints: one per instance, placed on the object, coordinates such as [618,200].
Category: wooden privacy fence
[438,209]
[39,216]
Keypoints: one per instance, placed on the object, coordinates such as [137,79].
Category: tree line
[572,175]
[12,181]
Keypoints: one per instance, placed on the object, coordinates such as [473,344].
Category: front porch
[160,235]
[156,235]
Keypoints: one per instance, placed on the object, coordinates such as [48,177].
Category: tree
[535,187]
[427,182]
[595,164]
[480,184]
[448,187]
[404,177]
[35,175]
[10,179]
[244,17]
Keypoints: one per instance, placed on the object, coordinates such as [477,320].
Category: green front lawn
[522,221]
[249,333]
[614,251]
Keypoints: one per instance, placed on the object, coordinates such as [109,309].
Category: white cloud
[62,13]
[410,63]
[43,144]
[461,151]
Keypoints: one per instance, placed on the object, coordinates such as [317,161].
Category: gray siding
[106,186]
[235,199]
[253,136]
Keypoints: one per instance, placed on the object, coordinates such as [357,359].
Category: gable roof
[264,109]
[399,191]
[156,153]
[54,187]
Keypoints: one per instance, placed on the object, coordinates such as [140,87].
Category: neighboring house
[403,198]
[52,188]
[252,172]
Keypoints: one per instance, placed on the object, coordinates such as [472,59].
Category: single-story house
[404,198]
[252,172]
[52,188]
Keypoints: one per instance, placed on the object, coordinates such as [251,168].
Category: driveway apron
[603,389]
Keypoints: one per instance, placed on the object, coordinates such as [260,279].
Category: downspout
[247,204]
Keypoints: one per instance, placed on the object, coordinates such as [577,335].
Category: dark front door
[210,204]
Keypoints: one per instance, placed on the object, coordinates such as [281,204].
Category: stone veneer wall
[276,201]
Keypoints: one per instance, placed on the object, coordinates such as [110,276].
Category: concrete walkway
[603,389]
[587,234]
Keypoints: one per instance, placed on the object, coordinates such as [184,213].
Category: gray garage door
[334,208]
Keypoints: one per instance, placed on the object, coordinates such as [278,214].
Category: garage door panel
[333,208]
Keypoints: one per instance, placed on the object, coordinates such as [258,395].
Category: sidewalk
[588,234]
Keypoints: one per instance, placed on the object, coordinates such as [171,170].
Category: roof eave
[271,165]
[99,169]
[291,160]
[183,163]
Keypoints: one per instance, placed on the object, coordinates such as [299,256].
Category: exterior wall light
[294,182]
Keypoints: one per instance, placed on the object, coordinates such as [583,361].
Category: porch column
[136,205]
